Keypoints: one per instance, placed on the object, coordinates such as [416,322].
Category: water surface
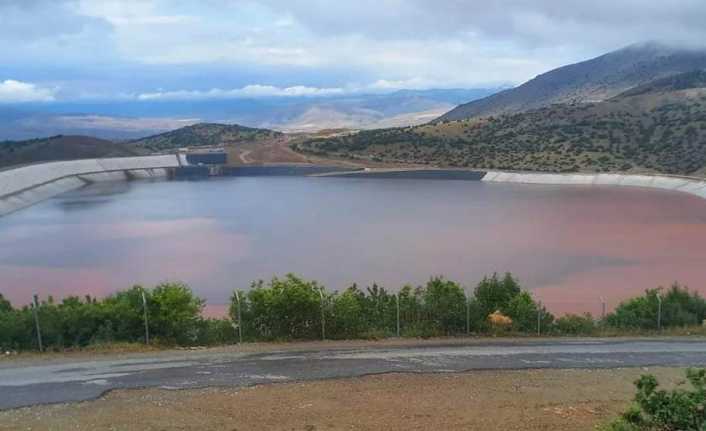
[569,244]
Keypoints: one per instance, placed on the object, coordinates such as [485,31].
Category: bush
[679,308]
[524,311]
[661,410]
[574,324]
[175,313]
[288,308]
[445,304]
[493,294]
[348,318]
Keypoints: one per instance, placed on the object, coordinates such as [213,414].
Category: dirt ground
[549,400]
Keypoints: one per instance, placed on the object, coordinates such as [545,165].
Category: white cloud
[12,91]
[244,92]
[134,46]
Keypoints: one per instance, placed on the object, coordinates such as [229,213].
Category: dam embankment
[27,185]
[692,186]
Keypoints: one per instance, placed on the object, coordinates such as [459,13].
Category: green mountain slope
[203,134]
[593,80]
[661,128]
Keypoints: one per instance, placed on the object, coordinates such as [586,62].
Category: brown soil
[486,400]
[271,151]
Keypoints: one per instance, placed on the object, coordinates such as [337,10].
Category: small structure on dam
[207,158]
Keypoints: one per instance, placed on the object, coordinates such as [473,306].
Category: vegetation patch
[654,409]
[651,131]
[291,308]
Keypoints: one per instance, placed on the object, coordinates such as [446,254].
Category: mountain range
[589,81]
[127,120]
[638,109]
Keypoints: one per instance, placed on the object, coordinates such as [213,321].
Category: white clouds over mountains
[315,46]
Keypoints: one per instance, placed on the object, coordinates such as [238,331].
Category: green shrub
[493,294]
[175,313]
[348,321]
[445,304]
[524,312]
[654,409]
[680,307]
[574,324]
[288,308]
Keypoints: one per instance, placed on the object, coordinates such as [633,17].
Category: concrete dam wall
[25,186]
[687,185]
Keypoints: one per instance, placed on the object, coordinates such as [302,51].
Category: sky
[123,50]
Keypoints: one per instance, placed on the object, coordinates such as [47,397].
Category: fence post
[35,311]
[240,317]
[659,312]
[144,313]
[397,297]
[323,316]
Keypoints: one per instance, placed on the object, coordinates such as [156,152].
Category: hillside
[59,148]
[658,128]
[201,135]
[594,80]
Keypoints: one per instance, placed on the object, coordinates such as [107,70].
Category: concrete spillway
[27,185]
[687,185]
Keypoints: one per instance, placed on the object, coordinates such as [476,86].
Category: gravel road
[82,379]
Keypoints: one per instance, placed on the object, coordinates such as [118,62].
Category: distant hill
[203,134]
[133,119]
[590,81]
[60,148]
[658,127]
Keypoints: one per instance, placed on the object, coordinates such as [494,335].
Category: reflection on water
[571,245]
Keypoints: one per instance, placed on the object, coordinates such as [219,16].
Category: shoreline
[25,186]
[687,185]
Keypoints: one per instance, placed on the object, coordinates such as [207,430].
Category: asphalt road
[65,381]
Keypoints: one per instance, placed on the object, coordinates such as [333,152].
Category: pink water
[569,245]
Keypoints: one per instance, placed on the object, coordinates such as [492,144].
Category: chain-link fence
[291,308]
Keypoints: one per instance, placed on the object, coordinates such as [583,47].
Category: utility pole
[240,317]
[603,308]
[323,316]
[397,297]
[659,312]
[35,311]
[144,313]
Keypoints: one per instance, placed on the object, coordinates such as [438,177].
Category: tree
[493,294]
[174,313]
[444,301]
[287,308]
[348,318]
[123,318]
[524,311]
[5,306]
[679,308]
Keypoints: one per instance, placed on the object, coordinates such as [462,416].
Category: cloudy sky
[64,50]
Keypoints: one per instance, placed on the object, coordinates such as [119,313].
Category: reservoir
[570,245]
